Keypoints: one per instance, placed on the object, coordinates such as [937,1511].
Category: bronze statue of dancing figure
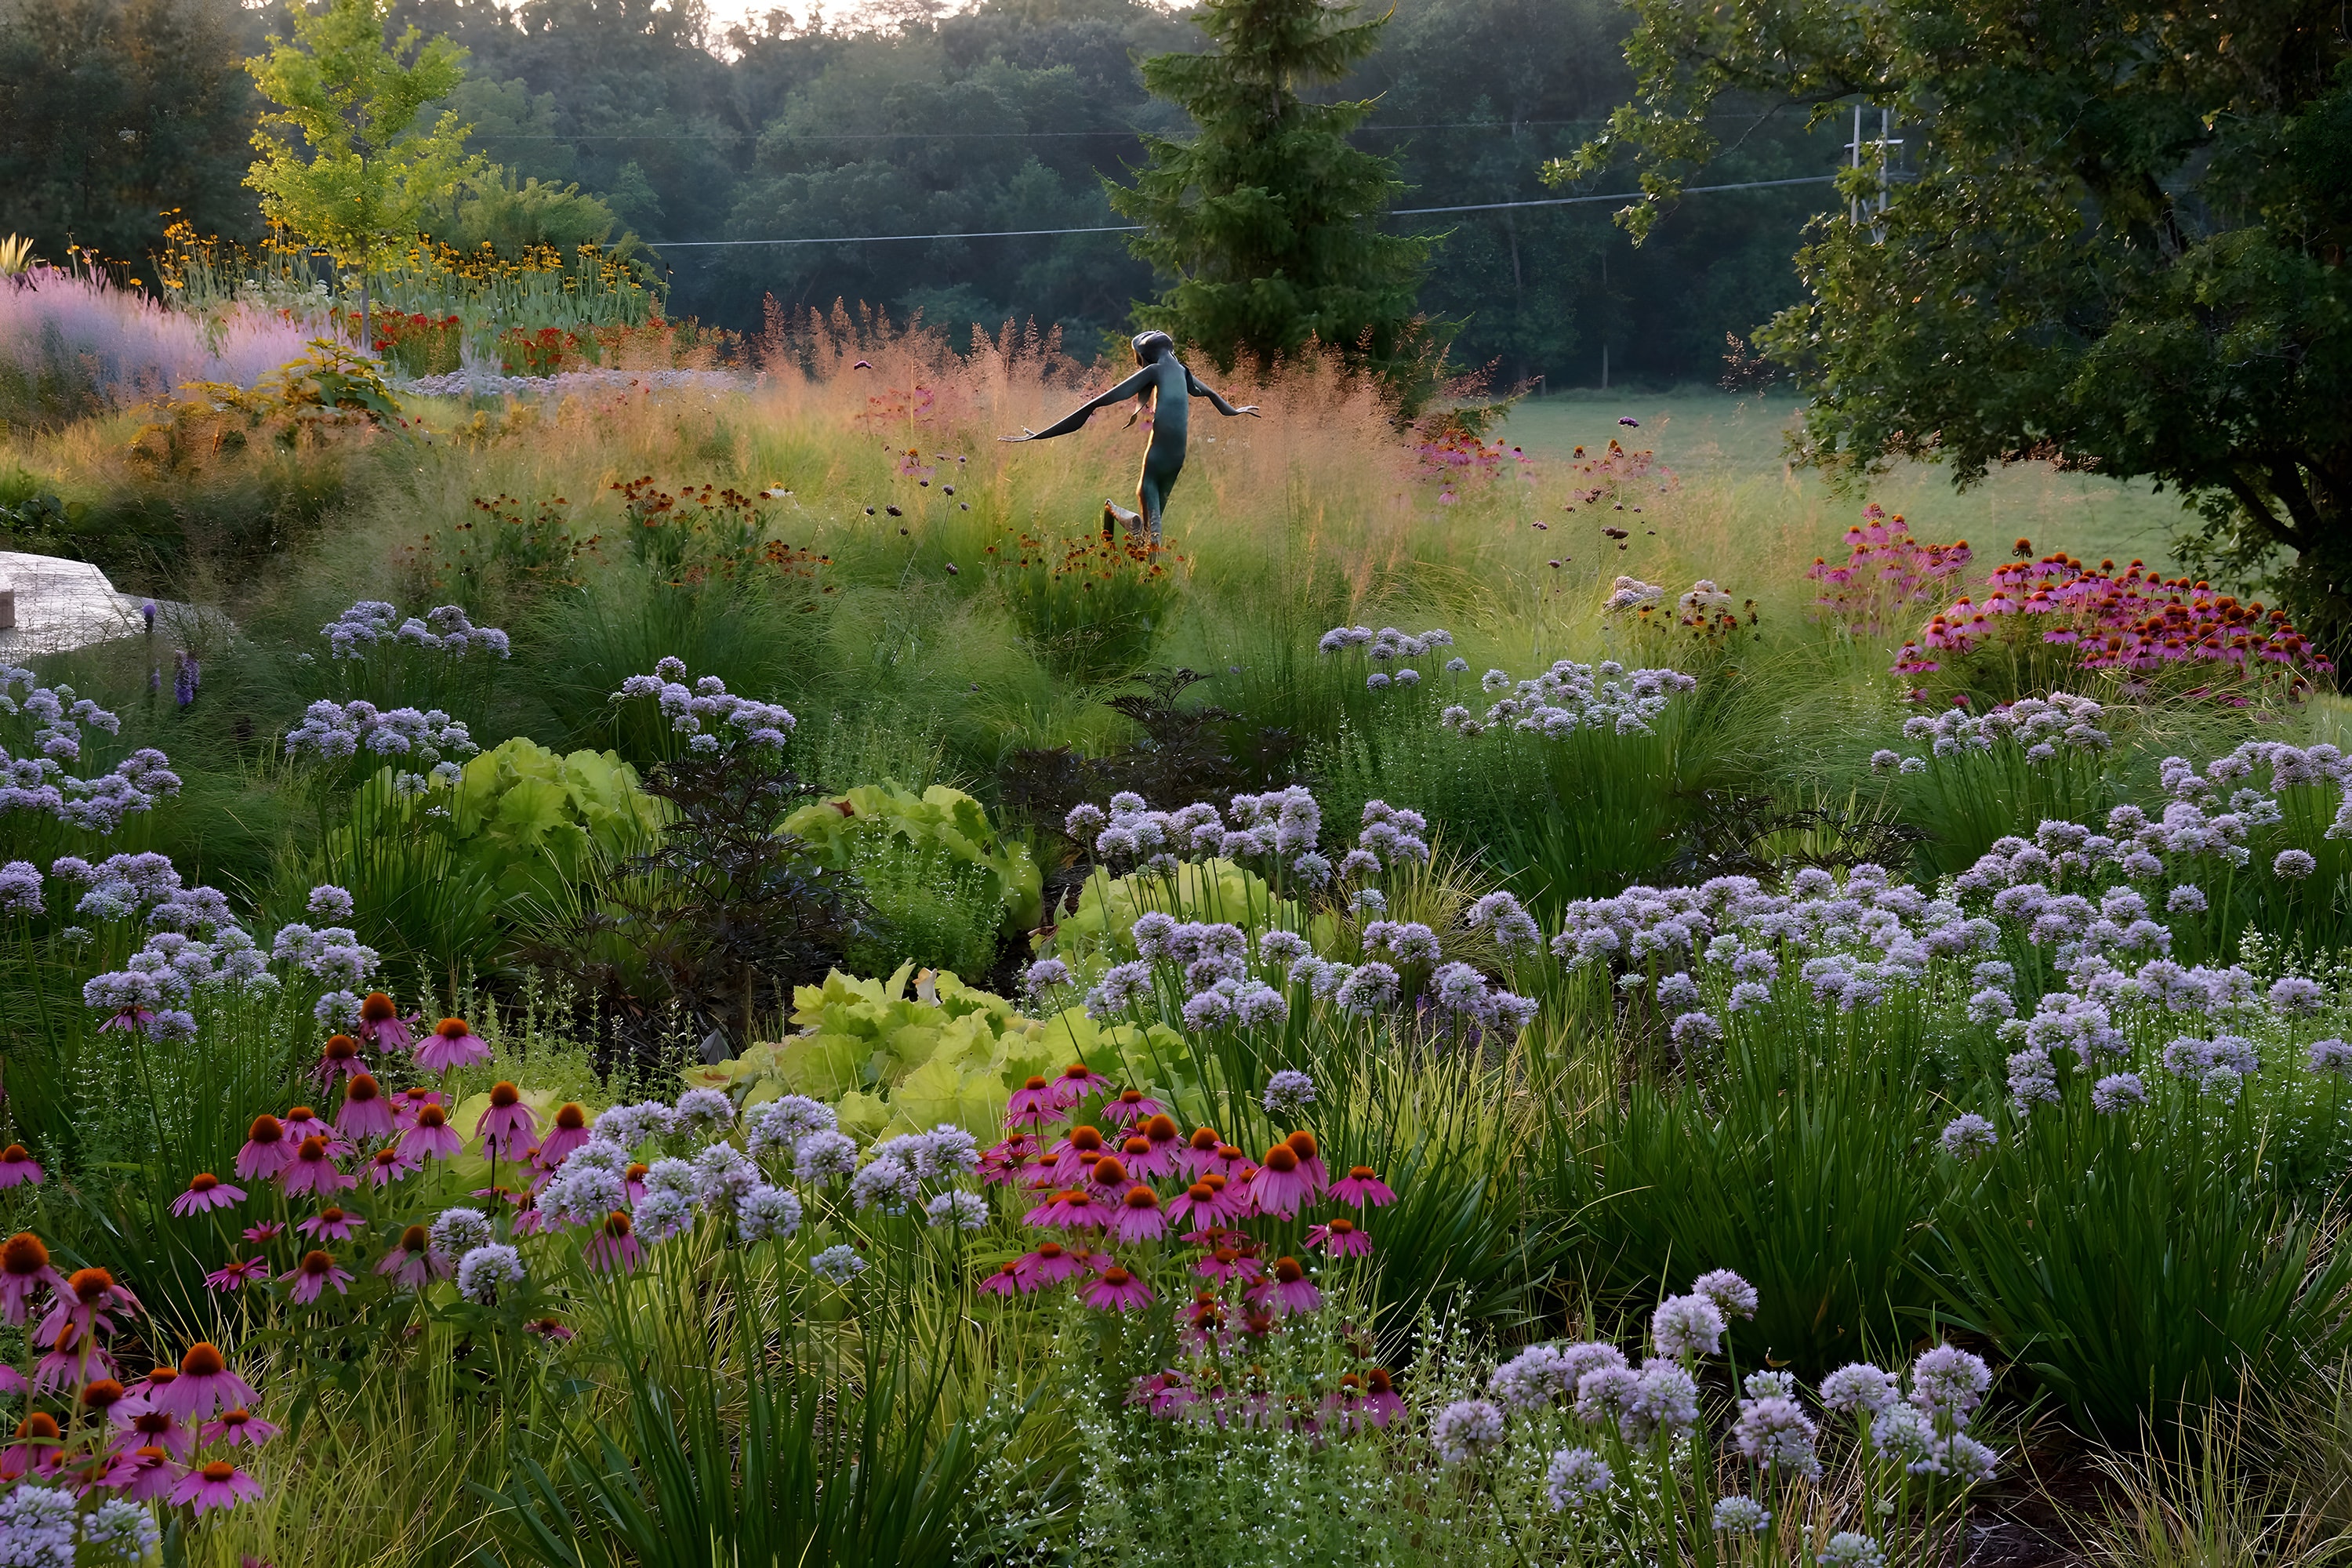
[1166,387]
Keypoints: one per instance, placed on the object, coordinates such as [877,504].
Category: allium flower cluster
[705,712]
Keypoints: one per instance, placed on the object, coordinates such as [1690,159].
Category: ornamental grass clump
[1581,1452]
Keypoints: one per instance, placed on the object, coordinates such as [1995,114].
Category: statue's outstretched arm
[1126,389]
[1192,384]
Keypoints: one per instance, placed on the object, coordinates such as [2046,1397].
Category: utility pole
[1882,151]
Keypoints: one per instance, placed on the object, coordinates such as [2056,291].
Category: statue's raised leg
[1116,516]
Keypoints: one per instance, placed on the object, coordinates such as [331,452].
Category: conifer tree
[1266,219]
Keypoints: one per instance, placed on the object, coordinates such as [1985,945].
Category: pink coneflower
[1227,1264]
[508,1126]
[341,1058]
[1130,1106]
[1151,1163]
[331,1223]
[1033,1105]
[1287,1288]
[1227,1162]
[1206,1315]
[632,1180]
[1005,1281]
[411,1263]
[1199,1153]
[1140,1216]
[432,1138]
[1197,1203]
[313,1275]
[381,1026]
[570,1131]
[23,1268]
[313,1170]
[205,1383]
[215,1485]
[18,1166]
[237,1273]
[1070,1209]
[90,1298]
[1077,1154]
[72,1357]
[39,1446]
[1005,1162]
[1117,1291]
[1341,1238]
[1078,1083]
[365,1113]
[145,1473]
[1280,1184]
[1163,1393]
[1050,1265]
[1380,1403]
[615,1244]
[1167,1143]
[553,1329]
[266,1150]
[451,1044]
[1360,1187]
[408,1101]
[1108,1176]
[238,1425]
[143,1428]
[302,1122]
[144,1393]
[386,1166]
[206,1192]
[100,1396]
[1310,1159]
[267,1231]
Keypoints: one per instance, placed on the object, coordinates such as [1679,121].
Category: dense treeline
[1005,117]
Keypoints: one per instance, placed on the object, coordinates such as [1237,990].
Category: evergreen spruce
[1267,219]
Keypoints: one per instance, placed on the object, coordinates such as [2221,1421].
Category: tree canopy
[2115,236]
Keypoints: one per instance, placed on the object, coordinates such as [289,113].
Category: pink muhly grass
[206,1192]
[126,347]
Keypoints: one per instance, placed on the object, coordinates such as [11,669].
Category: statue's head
[1150,345]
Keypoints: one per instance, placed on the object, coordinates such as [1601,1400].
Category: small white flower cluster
[698,710]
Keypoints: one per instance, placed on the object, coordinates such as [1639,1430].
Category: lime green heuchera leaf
[836,828]
[907,1058]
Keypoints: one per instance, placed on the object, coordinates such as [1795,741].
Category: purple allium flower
[2331,1055]
[2032,1079]
[1685,1326]
[1695,1031]
[331,904]
[1850,1549]
[2295,994]
[1575,1478]
[1950,1381]
[1665,1400]
[2294,864]
[1860,1388]
[20,889]
[1044,976]
[1967,1135]
[1774,1432]
[1740,1515]
[1367,989]
[2118,1092]
[2185,900]
[1464,1429]
[1733,1297]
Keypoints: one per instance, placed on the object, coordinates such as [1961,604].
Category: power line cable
[1138,229]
